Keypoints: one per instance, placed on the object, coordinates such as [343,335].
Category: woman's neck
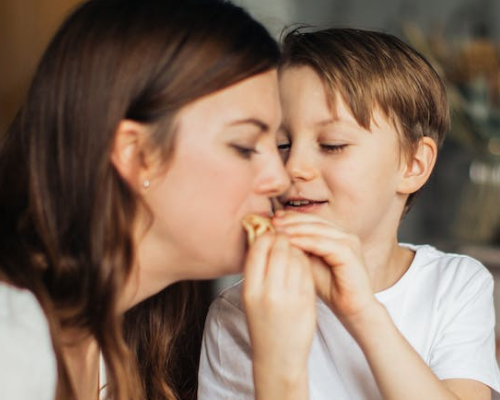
[153,267]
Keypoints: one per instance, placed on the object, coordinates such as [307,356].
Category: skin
[360,181]
[225,166]
[278,291]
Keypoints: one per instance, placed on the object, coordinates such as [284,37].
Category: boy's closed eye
[333,148]
[285,147]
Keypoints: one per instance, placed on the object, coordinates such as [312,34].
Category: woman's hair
[67,215]
[375,70]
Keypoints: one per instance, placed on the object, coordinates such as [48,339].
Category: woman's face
[225,166]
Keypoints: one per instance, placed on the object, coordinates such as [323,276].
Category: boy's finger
[312,229]
[292,218]
[289,216]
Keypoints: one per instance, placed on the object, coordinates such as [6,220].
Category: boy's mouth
[301,204]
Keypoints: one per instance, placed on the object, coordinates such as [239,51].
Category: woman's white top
[28,369]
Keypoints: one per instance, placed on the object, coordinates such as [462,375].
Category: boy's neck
[387,264]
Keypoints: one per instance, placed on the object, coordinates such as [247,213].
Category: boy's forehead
[310,101]
[341,111]
[342,115]
[376,115]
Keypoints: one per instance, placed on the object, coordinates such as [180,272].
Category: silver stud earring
[146,183]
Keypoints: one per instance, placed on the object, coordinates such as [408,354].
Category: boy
[364,115]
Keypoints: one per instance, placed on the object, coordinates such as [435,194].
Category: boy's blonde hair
[374,70]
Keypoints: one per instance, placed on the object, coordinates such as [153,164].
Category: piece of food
[255,225]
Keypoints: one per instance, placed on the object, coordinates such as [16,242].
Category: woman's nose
[274,179]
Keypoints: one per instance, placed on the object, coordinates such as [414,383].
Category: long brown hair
[66,215]
[371,69]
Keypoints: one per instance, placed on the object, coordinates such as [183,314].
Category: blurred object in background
[471,67]
[479,213]
[25,28]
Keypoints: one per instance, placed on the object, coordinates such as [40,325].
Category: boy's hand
[280,305]
[339,271]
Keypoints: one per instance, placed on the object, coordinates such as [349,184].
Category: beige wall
[25,29]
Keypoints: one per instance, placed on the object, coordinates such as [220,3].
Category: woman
[147,135]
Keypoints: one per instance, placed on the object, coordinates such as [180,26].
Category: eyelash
[333,148]
[246,152]
[284,147]
[328,148]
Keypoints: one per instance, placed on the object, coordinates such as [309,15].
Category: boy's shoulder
[446,265]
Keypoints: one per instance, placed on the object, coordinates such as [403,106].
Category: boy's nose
[300,167]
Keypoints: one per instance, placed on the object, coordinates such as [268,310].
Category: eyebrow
[319,124]
[252,121]
[326,122]
[335,121]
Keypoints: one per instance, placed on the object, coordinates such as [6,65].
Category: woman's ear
[127,154]
[418,167]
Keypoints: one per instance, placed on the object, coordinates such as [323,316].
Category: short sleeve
[225,366]
[465,348]
[27,362]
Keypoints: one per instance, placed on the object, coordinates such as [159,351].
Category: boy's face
[339,170]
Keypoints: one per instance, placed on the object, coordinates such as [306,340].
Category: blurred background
[460,208]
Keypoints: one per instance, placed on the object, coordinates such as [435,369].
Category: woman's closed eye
[245,151]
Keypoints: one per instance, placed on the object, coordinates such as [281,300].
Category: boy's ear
[418,168]
[127,154]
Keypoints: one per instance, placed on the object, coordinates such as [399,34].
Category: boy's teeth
[298,203]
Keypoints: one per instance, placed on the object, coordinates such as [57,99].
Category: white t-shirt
[28,368]
[443,305]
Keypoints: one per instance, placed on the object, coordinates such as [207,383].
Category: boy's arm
[400,373]
[462,355]
[398,369]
